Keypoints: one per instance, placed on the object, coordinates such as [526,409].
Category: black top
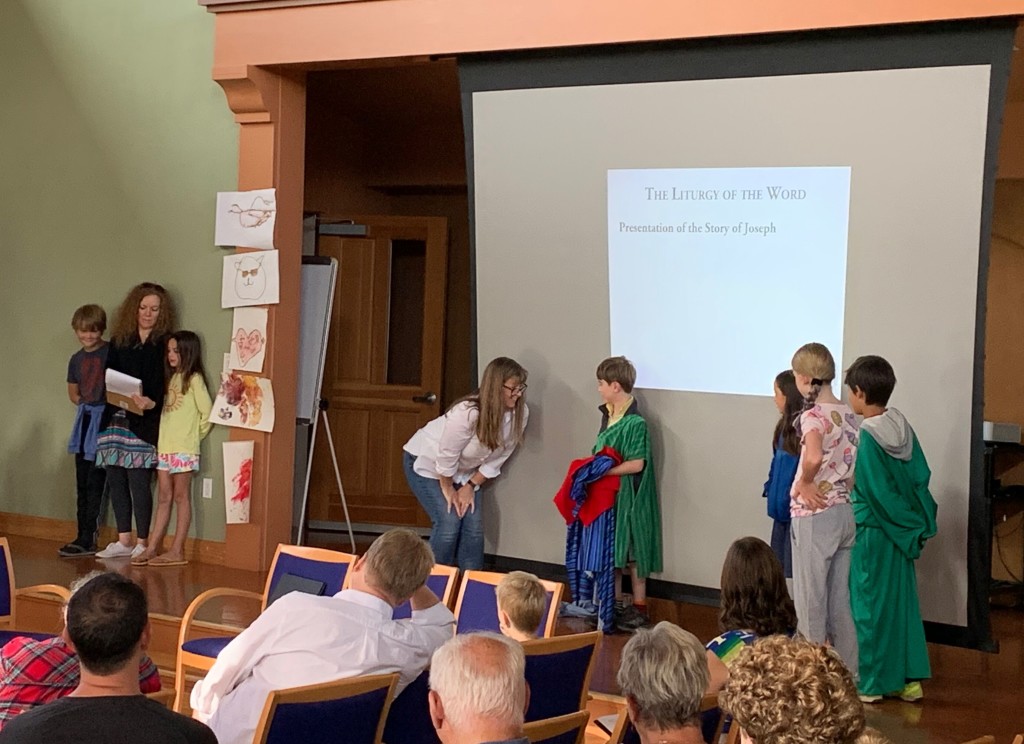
[85,369]
[131,719]
[146,362]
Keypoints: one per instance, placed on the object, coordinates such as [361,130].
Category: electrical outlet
[207,488]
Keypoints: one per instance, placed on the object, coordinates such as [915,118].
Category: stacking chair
[567,729]
[558,671]
[348,710]
[293,564]
[477,606]
[625,733]
[409,720]
[8,599]
[441,582]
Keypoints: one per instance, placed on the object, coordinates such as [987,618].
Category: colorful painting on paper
[245,401]
[238,480]
[246,219]
[249,339]
[250,279]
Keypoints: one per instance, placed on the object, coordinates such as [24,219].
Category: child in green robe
[895,515]
[637,516]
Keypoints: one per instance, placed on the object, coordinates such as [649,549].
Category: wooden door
[382,376]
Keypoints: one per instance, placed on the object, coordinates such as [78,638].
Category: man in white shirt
[478,690]
[302,639]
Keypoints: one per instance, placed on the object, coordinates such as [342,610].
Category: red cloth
[600,494]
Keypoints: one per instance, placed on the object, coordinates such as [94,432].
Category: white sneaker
[138,550]
[115,550]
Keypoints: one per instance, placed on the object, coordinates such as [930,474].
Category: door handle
[429,398]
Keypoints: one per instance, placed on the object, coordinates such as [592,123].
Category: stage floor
[971,693]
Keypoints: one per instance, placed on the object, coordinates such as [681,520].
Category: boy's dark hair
[874,377]
[105,620]
[618,369]
[89,318]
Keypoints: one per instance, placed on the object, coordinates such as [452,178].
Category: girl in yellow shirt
[183,425]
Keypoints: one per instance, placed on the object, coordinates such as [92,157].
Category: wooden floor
[971,693]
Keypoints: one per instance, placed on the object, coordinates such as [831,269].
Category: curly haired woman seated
[791,691]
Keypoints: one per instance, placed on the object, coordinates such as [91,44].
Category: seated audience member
[108,627]
[35,672]
[478,690]
[303,639]
[663,675]
[521,600]
[785,690]
[755,603]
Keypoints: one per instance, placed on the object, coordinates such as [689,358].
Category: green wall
[113,142]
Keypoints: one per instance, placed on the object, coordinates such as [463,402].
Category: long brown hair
[488,400]
[126,320]
[190,358]
[787,424]
[754,593]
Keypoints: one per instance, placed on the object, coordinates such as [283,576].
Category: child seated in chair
[521,599]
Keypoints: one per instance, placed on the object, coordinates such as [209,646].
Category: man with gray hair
[663,675]
[478,690]
[302,639]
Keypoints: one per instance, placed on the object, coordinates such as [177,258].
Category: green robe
[637,517]
[895,515]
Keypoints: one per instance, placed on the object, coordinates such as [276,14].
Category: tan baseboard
[46,528]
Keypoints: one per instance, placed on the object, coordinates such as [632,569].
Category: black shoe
[630,618]
[76,549]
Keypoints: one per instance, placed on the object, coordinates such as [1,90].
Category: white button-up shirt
[303,639]
[448,445]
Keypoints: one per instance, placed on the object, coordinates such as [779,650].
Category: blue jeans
[455,542]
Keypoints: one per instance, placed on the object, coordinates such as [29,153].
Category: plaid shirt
[36,672]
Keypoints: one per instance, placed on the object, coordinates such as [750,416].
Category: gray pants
[822,544]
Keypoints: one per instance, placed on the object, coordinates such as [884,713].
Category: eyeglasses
[516,389]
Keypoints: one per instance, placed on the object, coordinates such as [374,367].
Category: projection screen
[880,256]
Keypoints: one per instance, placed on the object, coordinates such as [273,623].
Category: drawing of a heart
[248,345]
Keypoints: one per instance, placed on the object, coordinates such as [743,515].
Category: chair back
[568,729]
[409,720]
[558,671]
[316,564]
[712,721]
[349,710]
[477,606]
[441,582]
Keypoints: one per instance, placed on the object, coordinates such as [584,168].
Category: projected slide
[717,275]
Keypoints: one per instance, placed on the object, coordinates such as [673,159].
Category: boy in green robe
[637,516]
[895,515]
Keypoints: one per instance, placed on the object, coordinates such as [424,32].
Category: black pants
[131,487]
[90,480]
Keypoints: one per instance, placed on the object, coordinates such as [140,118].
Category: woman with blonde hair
[127,442]
[448,460]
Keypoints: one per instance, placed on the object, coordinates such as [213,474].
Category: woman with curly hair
[791,691]
[127,443]
[755,603]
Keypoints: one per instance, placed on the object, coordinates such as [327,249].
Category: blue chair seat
[10,635]
[208,647]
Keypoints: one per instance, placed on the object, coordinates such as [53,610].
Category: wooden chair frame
[494,578]
[327,691]
[708,702]
[205,663]
[10,621]
[558,644]
[538,731]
